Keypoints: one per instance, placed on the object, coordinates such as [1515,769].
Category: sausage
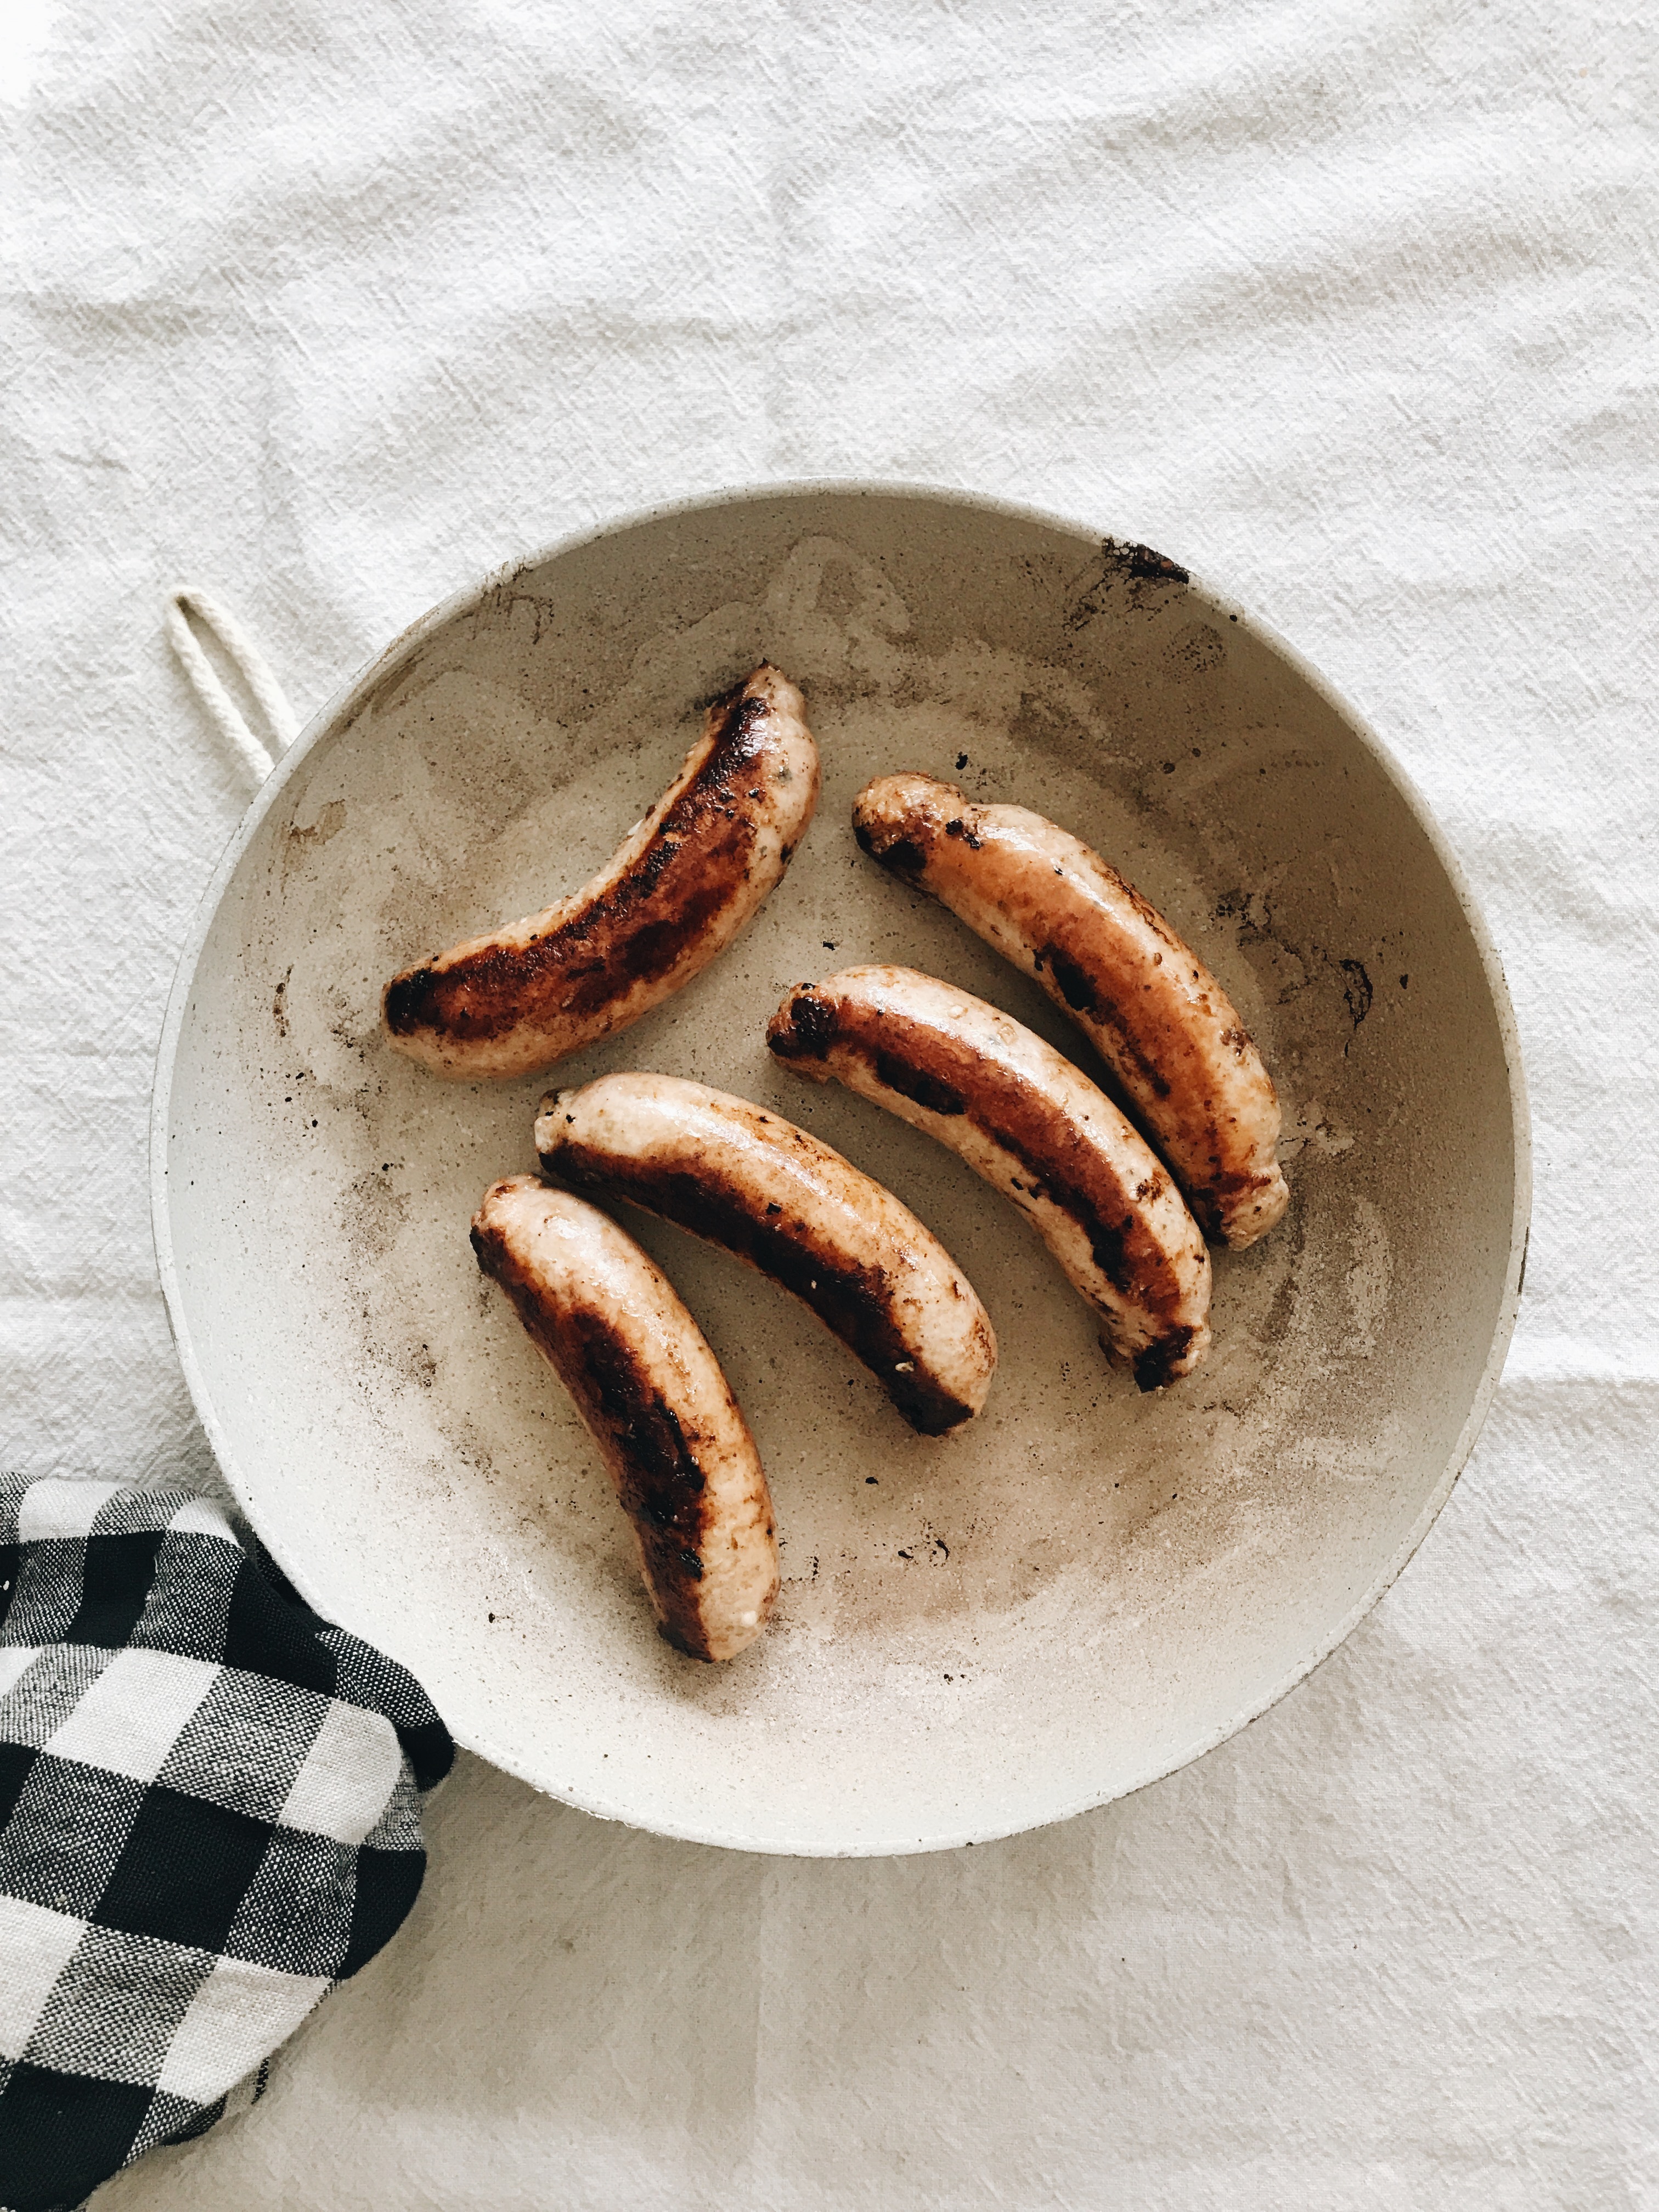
[673,1437]
[1034,1127]
[676,891]
[747,1180]
[1152,1010]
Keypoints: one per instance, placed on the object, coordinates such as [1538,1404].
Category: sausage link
[675,892]
[1035,1127]
[671,1434]
[746,1179]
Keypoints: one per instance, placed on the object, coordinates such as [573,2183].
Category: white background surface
[1351,309]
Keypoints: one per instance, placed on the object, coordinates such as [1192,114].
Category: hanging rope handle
[282,724]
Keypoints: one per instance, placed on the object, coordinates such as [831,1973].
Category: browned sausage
[746,1179]
[653,1398]
[1033,1126]
[675,892]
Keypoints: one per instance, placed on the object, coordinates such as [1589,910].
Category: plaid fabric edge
[209,1817]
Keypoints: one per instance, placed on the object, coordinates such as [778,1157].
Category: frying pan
[1087,1588]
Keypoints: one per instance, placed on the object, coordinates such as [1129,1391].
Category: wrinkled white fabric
[1350,308]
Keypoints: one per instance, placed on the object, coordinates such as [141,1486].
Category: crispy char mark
[1080,955]
[1226,1189]
[1066,939]
[1160,1363]
[853,1300]
[1079,982]
[637,930]
[902,856]
[949,1076]
[1066,946]
[655,1470]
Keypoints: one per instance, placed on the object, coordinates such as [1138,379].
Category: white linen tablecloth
[1352,309]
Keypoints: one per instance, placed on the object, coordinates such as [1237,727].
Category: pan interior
[1087,1587]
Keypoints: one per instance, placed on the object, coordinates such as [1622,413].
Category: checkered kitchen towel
[209,1814]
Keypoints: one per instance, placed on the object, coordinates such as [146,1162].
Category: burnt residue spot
[1253,911]
[1356,990]
[961,760]
[279,1003]
[1194,650]
[1118,563]
[331,820]
[1291,1237]
[372,1214]
[1153,568]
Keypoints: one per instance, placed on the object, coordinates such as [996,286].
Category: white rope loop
[282,725]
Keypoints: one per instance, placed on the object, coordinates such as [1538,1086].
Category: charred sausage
[744,1178]
[1034,1127]
[675,892]
[654,1400]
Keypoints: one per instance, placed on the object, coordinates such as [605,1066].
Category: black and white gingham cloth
[209,1814]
